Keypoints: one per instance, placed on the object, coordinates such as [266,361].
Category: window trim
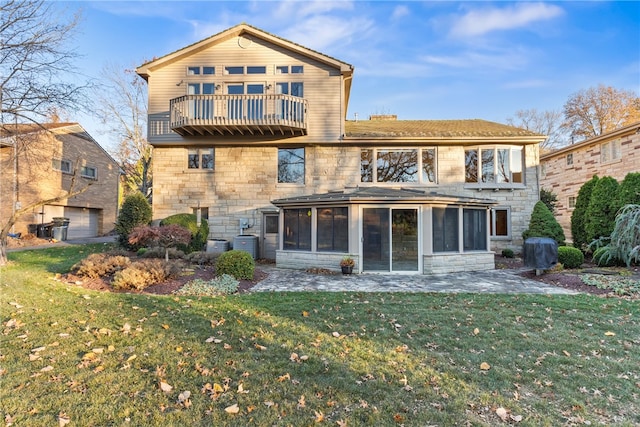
[200,151]
[419,166]
[494,184]
[334,232]
[56,164]
[85,175]
[569,159]
[492,223]
[304,167]
[610,151]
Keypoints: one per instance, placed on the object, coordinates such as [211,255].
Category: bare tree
[122,108]
[34,62]
[601,109]
[547,123]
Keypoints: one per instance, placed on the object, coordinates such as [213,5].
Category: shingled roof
[433,128]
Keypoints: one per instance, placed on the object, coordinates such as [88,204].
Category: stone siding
[457,262]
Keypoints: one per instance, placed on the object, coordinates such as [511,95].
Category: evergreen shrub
[544,224]
[601,212]
[508,253]
[578,217]
[135,211]
[570,257]
[239,264]
[190,221]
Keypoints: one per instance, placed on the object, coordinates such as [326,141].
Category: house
[38,163]
[249,130]
[564,171]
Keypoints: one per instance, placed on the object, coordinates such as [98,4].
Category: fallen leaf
[260,347]
[284,377]
[319,416]
[485,366]
[294,357]
[47,369]
[502,413]
[305,314]
[336,334]
[610,334]
[268,403]
[165,326]
[165,387]
[516,418]
[476,331]
[301,402]
[185,395]
[566,353]
[233,409]
[63,420]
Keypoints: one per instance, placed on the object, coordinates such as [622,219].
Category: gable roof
[380,195]
[618,133]
[436,129]
[239,30]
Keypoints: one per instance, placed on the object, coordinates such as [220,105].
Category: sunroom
[386,230]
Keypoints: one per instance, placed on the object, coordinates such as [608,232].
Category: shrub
[190,222]
[142,251]
[135,211]
[508,253]
[161,253]
[543,224]
[578,217]
[202,258]
[142,274]
[167,236]
[236,263]
[221,285]
[100,265]
[549,198]
[624,243]
[570,257]
[601,212]
[629,191]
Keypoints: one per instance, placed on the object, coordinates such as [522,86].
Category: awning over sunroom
[369,195]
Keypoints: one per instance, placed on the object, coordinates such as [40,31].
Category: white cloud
[300,9]
[400,12]
[499,60]
[320,32]
[479,22]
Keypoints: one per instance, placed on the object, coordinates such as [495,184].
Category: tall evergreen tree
[578,218]
[601,212]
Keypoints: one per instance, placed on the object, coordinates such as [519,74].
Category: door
[270,223]
[390,239]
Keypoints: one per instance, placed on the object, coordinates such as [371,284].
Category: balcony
[194,115]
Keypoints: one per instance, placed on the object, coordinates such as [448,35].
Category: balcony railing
[238,114]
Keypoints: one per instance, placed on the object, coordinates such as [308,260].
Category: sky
[415,59]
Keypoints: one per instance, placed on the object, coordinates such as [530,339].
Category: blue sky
[419,60]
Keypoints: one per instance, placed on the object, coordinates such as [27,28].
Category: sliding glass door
[390,239]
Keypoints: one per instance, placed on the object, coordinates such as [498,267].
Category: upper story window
[493,165]
[291,165]
[570,159]
[198,70]
[200,158]
[61,165]
[285,69]
[398,165]
[89,172]
[610,151]
[572,202]
[261,69]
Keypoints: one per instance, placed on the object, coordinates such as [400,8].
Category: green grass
[298,358]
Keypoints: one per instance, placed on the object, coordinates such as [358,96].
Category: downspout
[15,178]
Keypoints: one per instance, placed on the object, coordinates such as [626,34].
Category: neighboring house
[47,158]
[249,130]
[565,170]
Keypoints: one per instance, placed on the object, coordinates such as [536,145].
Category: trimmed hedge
[579,215]
[190,222]
[570,257]
[239,264]
[135,211]
[601,212]
[544,224]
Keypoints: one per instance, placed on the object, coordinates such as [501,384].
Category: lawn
[77,357]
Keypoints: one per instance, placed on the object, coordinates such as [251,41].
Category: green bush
[629,191]
[603,257]
[190,221]
[570,257]
[135,211]
[159,252]
[601,212]
[202,258]
[623,246]
[549,198]
[142,274]
[508,253]
[236,263]
[544,224]
[579,215]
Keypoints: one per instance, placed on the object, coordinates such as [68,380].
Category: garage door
[83,222]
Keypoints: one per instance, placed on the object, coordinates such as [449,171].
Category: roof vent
[383,117]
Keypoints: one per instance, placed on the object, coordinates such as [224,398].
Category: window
[204,212]
[610,151]
[297,229]
[569,159]
[282,69]
[493,165]
[499,222]
[474,229]
[234,70]
[291,165]
[193,71]
[201,158]
[89,172]
[398,165]
[572,202]
[257,70]
[445,229]
[333,229]
[61,165]
[208,70]
[297,69]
